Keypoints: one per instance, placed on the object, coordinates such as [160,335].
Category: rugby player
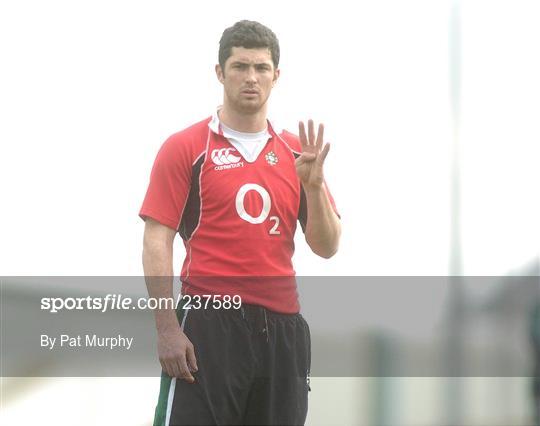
[234,187]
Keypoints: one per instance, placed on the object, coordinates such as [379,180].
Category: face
[248,78]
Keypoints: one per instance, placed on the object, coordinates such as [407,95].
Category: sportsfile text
[112,302]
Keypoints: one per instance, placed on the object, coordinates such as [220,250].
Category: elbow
[325,251]
[326,254]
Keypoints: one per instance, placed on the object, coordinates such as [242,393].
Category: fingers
[311,139]
[320,137]
[192,361]
[179,365]
[302,134]
[171,368]
[184,370]
[165,367]
[178,368]
[311,133]
[324,153]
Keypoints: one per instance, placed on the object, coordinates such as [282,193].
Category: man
[233,187]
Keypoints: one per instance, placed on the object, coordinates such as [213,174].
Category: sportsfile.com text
[118,302]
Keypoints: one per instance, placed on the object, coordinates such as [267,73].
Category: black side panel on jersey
[302,209]
[192,210]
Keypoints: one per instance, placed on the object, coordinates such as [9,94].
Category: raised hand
[309,166]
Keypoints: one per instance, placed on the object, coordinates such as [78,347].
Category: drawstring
[265,325]
[265,329]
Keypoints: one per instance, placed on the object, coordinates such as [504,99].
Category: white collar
[213,124]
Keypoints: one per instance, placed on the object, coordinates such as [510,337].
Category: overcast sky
[89,91]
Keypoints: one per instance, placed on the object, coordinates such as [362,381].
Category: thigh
[225,371]
[279,396]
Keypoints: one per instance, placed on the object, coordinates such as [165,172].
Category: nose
[251,75]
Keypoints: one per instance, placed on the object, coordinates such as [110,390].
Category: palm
[309,166]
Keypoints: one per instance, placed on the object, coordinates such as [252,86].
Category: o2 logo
[263,215]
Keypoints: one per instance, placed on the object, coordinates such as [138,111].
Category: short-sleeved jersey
[237,219]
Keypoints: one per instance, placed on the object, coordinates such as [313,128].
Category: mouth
[250,92]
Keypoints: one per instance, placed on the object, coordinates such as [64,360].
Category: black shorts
[253,369]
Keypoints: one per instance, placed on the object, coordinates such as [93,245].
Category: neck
[243,122]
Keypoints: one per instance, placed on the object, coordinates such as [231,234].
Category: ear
[219,74]
[277,72]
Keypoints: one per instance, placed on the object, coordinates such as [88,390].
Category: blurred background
[432,111]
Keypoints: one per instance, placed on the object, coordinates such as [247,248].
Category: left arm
[323,228]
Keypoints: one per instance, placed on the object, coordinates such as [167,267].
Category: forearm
[323,228]
[158,271]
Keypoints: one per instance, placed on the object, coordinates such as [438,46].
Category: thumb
[192,361]
[306,157]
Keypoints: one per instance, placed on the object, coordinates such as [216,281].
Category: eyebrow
[257,64]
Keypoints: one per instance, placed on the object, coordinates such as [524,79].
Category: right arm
[175,351]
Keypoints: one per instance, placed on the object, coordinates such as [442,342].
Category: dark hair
[248,34]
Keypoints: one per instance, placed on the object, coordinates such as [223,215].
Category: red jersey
[237,219]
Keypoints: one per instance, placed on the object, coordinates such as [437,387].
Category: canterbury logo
[223,156]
